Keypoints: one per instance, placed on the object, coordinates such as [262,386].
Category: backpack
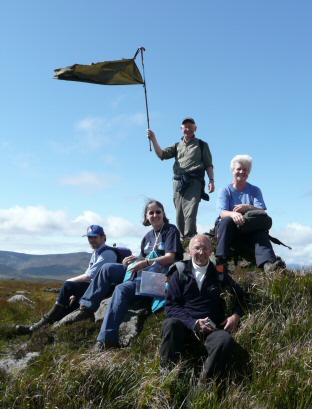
[121,252]
[256,220]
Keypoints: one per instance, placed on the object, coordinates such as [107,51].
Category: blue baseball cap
[94,230]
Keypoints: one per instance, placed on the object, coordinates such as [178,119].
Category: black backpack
[121,252]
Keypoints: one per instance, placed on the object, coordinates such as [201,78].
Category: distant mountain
[59,267]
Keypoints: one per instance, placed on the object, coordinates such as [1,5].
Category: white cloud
[118,227]
[94,131]
[38,230]
[297,234]
[299,238]
[30,219]
[91,180]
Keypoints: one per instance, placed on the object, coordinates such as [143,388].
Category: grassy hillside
[277,333]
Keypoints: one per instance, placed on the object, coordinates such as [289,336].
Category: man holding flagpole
[192,160]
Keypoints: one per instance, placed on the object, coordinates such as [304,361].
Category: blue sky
[75,154]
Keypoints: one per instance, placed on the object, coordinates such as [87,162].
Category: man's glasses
[151,212]
[197,249]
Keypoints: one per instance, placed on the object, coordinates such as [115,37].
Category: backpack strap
[180,267]
[277,241]
[201,145]
[114,249]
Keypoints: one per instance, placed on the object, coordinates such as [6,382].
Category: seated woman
[233,201]
[164,240]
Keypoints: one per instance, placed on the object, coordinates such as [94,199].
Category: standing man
[74,288]
[195,311]
[192,160]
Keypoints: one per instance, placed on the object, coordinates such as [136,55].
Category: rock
[52,290]
[12,364]
[20,298]
[130,327]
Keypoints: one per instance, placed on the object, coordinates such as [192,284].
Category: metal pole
[142,49]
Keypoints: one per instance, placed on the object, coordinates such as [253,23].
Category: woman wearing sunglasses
[162,244]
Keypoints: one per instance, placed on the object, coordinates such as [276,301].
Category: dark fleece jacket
[186,302]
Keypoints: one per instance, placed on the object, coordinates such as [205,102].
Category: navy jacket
[186,302]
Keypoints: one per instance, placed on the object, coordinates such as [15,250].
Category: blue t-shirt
[229,197]
[98,260]
[168,241]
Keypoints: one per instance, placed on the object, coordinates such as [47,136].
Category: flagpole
[142,49]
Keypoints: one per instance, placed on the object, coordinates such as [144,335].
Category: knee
[68,285]
[222,340]
[171,324]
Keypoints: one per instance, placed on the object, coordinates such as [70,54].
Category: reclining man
[74,288]
[195,311]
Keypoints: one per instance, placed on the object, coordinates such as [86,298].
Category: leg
[177,200]
[226,234]
[263,248]
[68,289]
[123,296]
[190,203]
[174,338]
[110,275]
[219,345]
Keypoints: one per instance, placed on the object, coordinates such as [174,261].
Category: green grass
[277,333]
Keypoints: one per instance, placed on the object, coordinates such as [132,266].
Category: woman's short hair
[156,203]
[244,160]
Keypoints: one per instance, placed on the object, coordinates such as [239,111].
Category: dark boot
[53,315]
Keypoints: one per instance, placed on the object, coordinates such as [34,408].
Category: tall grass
[276,331]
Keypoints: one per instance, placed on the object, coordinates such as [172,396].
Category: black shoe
[23,329]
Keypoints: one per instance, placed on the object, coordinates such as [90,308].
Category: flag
[120,72]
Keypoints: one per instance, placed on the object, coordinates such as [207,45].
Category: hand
[231,323]
[140,265]
[150,134]
[211,187]
[203,327]
[241,208]
[238,218]
[72,298]
[128,260]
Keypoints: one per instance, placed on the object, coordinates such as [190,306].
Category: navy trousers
[228,233]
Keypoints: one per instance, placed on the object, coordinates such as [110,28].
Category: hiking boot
[270,266]
[79,315]
[53,315]
[23,329]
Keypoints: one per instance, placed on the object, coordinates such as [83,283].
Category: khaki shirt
[188,156]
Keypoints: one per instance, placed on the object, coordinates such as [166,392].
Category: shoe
[23,329]
[79,315]
[101,346]
[270,266]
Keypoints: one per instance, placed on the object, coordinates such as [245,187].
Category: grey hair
[244,160]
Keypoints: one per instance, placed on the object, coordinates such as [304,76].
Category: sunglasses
[151,212]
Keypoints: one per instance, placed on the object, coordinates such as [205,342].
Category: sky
[75,154]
